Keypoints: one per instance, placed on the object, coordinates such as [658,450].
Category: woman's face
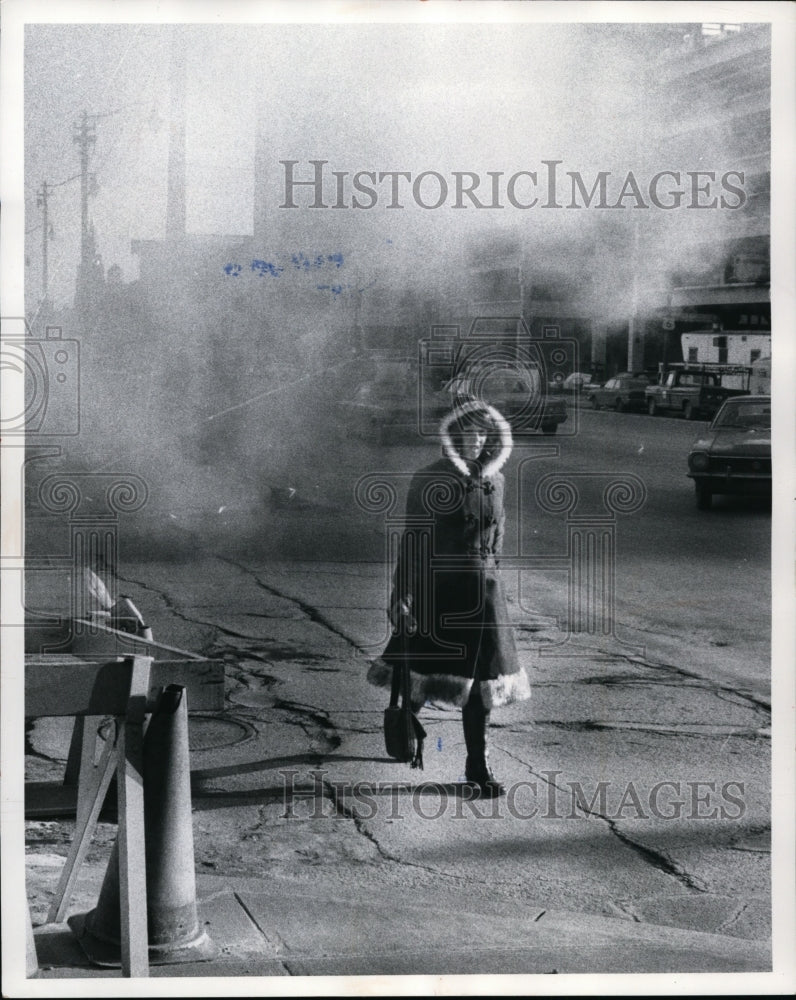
[473,441]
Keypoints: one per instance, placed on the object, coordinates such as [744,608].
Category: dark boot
[475,719]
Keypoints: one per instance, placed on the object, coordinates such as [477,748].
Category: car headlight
[698,462]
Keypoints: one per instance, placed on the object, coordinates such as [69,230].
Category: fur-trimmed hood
[475,406]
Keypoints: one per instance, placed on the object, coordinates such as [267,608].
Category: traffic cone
[173,925]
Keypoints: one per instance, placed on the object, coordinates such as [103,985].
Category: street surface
[679,695]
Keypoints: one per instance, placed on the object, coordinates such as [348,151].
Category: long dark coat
[448,566]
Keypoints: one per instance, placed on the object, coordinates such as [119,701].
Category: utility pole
[88,278]
[41,202]
[85,137]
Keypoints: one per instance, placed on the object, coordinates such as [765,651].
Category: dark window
[693,354]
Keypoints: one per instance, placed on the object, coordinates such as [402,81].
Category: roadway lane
[690,584]
[692,587]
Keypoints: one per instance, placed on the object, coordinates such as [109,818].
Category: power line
[118,111]
[133,116]
[68,180]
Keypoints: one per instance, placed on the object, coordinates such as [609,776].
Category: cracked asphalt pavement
[622,800]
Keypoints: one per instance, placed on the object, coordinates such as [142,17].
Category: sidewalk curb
[262,930]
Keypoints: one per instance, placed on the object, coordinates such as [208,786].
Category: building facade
[718,87]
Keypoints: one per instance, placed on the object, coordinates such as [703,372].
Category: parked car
[574,387]
[622,392]
[518,396]
[391,407]
[577,381]
[734,456]
[383,409]
[696,390]
[571,385]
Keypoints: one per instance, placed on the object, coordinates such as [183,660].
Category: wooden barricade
[126,689]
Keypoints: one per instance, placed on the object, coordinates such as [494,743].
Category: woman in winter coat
[448,607]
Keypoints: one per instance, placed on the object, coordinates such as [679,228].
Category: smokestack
[175,204]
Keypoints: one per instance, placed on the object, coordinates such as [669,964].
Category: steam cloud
[221,390]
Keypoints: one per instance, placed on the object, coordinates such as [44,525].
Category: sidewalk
[270,929]
[316,854]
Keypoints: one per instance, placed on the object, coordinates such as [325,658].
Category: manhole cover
[205,732]
[212,732]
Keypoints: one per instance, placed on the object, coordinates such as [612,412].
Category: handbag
[403,733]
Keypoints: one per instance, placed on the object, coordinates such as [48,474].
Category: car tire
[549,428]
[594,404]
[619,406]
[652,407]
[704,496]
[688,410]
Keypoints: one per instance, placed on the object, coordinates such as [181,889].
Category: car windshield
[498,383]
[503,385]
[742,414]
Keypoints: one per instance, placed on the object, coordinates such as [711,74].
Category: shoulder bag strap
[395,689]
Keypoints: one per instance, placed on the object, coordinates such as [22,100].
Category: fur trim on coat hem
[505,689]
[454,690]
